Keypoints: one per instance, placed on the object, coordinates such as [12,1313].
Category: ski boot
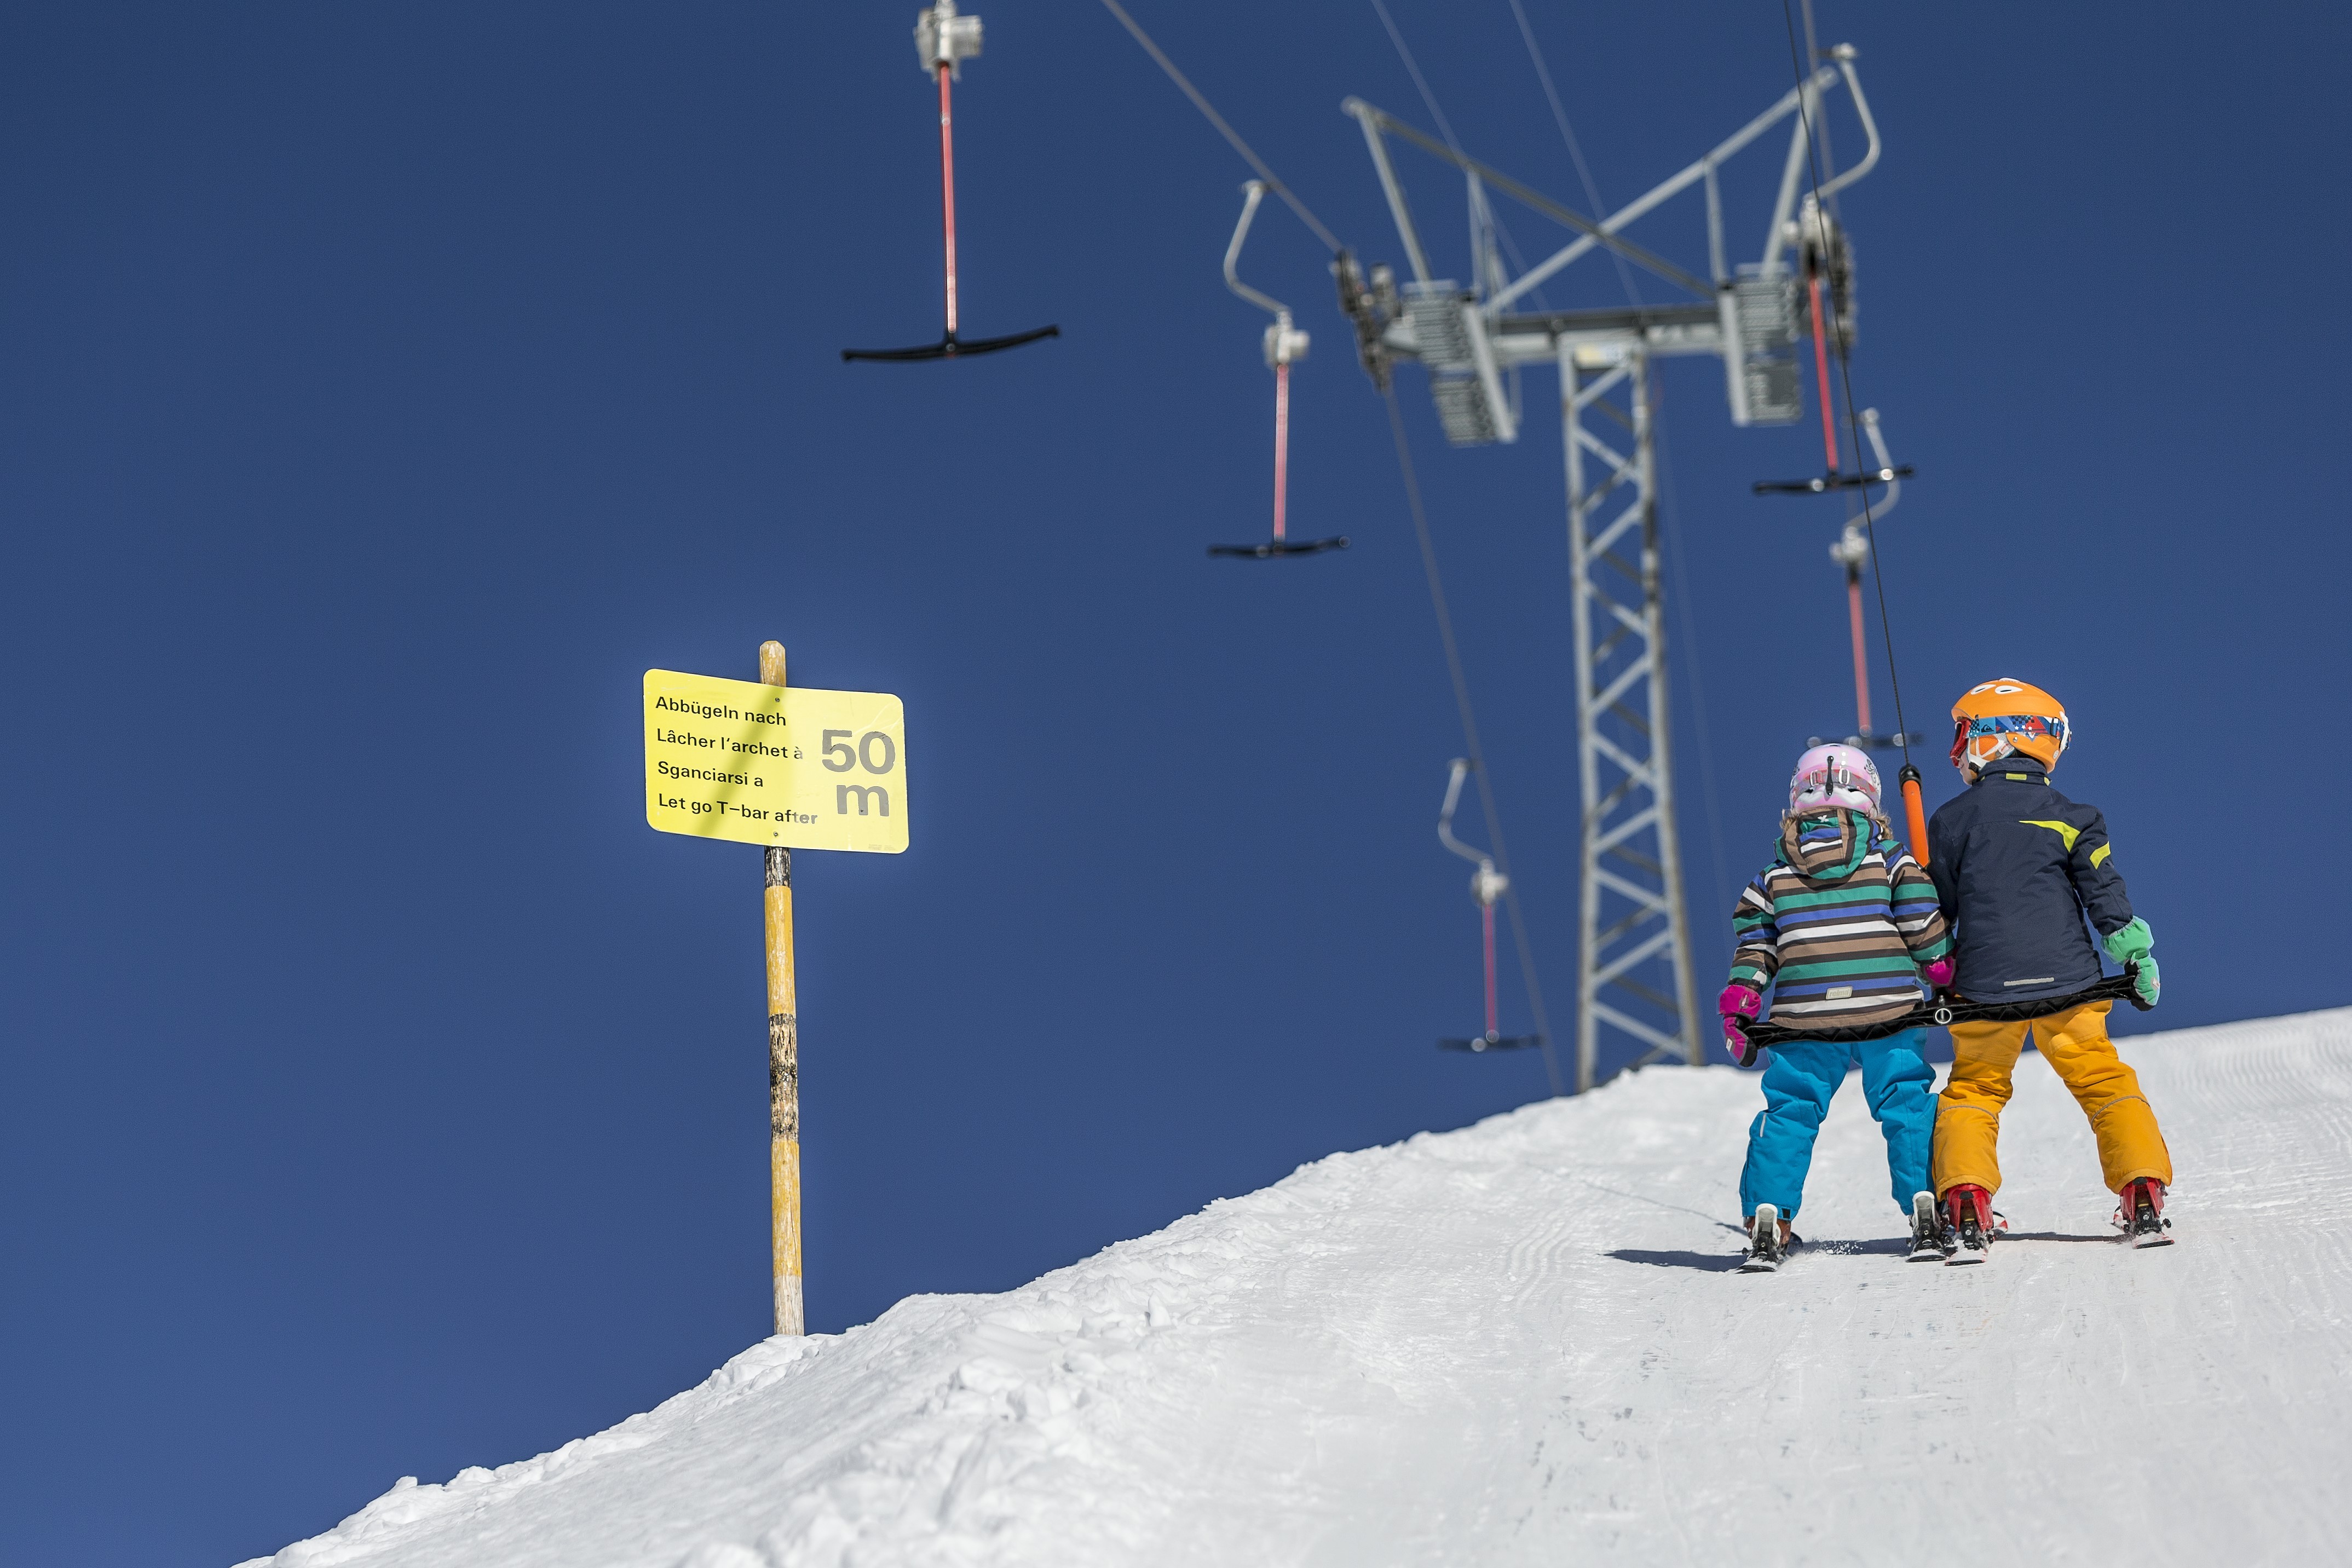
[1769,1241]
[1931,1236]
[2140,1213]
[1973,1227]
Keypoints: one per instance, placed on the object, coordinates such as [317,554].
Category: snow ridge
[1521,1340]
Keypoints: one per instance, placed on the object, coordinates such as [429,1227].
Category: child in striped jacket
[1842,925]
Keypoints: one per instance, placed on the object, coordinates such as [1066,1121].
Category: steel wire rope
[1633,297]
[1437,592]
[1428,558]
[1331,240]
[1470,734]
[1829,167]
[1845,379]
[1575,150]
[1675,554]
[1829,153]
[1679,556]
[1412,69]
[1446,129]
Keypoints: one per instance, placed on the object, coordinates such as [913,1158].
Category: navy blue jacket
[2016,866]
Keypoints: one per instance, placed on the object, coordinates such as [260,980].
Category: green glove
[2134,944]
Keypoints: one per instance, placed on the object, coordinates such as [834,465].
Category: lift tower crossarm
[1376,120]
[1369,119]
[1704,169]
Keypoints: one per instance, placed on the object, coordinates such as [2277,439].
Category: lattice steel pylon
[1633,959]
[1632,917]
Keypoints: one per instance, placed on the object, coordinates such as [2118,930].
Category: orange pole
[1915,812]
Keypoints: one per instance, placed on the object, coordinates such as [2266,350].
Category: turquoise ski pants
[1896,1084]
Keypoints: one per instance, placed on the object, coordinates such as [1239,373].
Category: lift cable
[1412,69]
[1477,760]
[1676,554]
[1575,148]
[1678,560]
[1284,342]
[1446,129]
[1470,736]
[1910,774]
[1428,552]
[1829,153]
[1331,240]
[1429,557]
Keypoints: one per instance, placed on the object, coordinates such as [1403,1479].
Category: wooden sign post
[783,1065]
[784,768]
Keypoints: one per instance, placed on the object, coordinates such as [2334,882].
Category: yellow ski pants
[2076,1043]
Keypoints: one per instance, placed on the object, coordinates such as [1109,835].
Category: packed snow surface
[1522,1343]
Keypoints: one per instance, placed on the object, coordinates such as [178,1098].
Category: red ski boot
[2140,1213]
[1970,1209]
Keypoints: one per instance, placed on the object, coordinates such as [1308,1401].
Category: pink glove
[1737,1005]
[1938,974]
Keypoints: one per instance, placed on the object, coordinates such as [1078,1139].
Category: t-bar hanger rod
[947,188]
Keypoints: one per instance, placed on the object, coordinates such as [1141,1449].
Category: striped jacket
[1841,920]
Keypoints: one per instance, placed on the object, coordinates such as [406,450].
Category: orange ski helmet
[2005,717]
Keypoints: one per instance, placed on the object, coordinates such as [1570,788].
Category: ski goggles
[1966,729]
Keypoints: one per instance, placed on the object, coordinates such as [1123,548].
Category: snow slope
[1518,1343]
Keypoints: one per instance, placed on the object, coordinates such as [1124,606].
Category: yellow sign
[775,764]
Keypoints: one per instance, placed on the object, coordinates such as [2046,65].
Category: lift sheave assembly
[1826,261]
[944,41]
[1826,264]
[1285,345]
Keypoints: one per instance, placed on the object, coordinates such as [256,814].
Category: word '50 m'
[864,754]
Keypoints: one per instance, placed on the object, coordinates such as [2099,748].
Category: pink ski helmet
[1834,775]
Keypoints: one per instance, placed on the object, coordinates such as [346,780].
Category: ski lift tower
[1633,969]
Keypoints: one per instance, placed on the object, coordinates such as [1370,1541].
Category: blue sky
[382,394]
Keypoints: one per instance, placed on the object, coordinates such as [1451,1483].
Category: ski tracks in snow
[1523,1341]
